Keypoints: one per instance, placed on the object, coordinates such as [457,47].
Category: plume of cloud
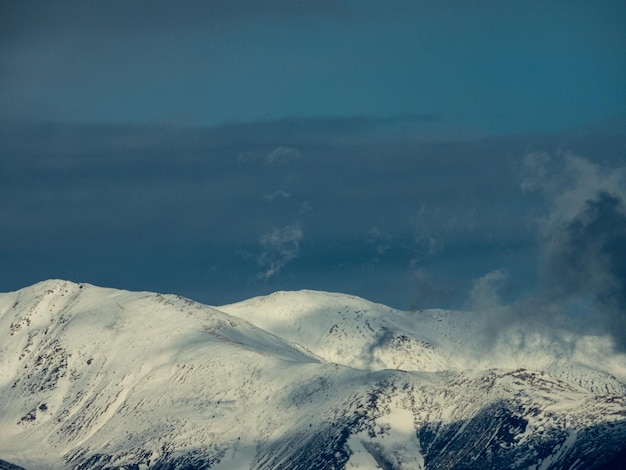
[484,295]
[280,246]
[426,244]
[583,268]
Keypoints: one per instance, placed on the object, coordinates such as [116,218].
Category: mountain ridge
[95,378]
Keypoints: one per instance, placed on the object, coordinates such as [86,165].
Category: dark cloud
[587,257]
[339,206]
[587,262]
[41,20]
[581,283]
[336,130]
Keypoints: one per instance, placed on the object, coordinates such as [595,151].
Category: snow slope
[94,378]
[357,333]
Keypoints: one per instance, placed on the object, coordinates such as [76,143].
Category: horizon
[415,155]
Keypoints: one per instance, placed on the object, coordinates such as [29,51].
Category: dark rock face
[9,466]
[491,441]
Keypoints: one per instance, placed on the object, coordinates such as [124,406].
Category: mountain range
[98,378]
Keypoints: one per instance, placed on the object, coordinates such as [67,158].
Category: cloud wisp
[282,155]
[485,293]
[279,247]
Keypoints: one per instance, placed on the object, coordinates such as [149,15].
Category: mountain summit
[94,378]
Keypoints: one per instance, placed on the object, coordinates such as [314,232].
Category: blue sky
[414,153]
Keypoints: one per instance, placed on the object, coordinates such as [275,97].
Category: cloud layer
[388,214]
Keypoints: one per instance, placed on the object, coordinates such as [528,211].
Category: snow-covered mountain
[94,378]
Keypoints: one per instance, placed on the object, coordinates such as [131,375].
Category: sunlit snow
[103,378]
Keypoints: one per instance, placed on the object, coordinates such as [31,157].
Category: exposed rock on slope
[94,378]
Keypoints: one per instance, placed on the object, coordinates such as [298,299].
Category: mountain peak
[95,378]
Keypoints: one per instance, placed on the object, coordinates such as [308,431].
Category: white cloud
[379,239]
[280,246]
[281,155]
[484,294]
[278,194]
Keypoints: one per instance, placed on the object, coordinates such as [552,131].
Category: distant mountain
[94,378]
